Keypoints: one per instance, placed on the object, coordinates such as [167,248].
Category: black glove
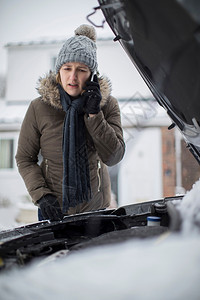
[50,208]
[92,96]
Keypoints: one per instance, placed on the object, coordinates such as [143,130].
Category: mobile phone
[92,76]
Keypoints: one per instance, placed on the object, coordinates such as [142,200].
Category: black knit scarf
[76,178]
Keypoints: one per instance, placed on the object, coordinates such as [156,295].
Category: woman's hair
[58,79]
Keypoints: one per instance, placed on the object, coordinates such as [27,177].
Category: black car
[162,38]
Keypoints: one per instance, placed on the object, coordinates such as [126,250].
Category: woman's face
[73,77]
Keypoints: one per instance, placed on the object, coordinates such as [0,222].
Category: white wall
[26,63]
[115,63]
[140,174]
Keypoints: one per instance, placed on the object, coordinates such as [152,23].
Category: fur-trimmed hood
[48,89]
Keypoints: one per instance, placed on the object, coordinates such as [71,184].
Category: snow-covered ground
[167,267]
[15,215]
[148,269]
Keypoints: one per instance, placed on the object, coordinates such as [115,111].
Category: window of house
[6,153]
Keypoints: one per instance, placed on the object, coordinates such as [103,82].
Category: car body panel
[162,38]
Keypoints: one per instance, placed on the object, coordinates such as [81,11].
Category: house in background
[152,167]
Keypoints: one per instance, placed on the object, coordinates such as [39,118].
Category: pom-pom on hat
[80,48]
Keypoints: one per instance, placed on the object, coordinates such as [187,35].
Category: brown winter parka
[39,154]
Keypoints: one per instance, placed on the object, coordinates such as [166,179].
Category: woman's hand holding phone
[92,95]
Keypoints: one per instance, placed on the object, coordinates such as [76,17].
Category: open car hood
[162,38]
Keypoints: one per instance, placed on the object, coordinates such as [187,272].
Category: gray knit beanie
[80,48]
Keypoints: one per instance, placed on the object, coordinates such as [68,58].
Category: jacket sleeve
[27,156]
[106,131]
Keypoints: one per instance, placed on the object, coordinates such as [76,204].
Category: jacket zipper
[46,166]
[98,174]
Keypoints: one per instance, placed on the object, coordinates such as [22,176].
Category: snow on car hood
[189,209]
[155,268]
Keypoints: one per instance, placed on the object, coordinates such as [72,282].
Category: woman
[75,125]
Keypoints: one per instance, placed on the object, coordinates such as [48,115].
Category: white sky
[22,20]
